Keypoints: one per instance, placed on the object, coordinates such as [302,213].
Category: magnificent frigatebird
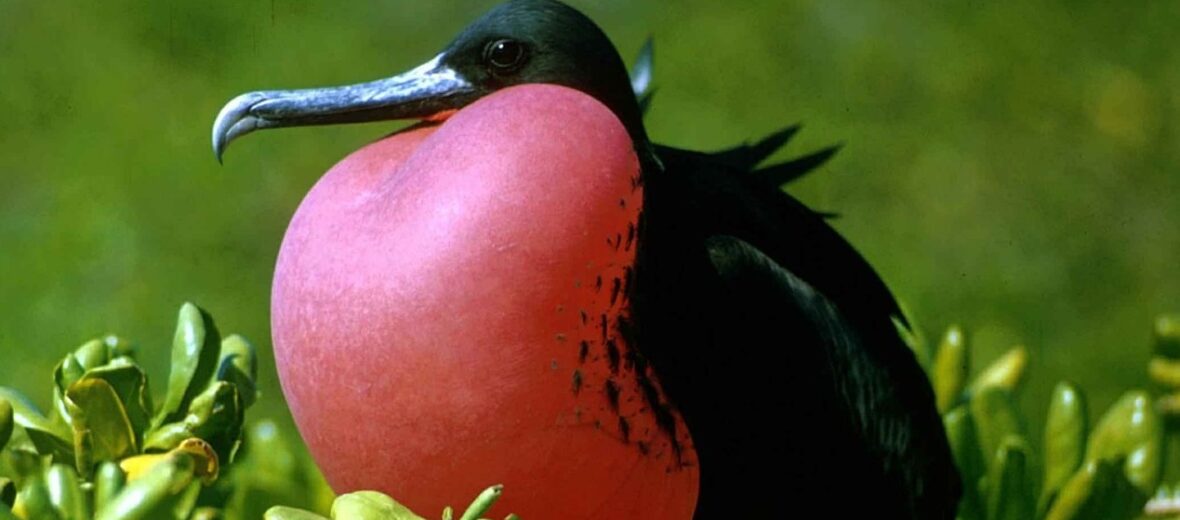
[741,337]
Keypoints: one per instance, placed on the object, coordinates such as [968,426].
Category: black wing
[756,314]
[849,440]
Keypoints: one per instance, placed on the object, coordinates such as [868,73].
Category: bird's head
[517,42]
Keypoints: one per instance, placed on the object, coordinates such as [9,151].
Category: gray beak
[420,93]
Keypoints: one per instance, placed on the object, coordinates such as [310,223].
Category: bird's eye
[504,55]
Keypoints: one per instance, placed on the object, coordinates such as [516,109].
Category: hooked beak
[420,93]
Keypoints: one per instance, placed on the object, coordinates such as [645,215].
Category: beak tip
[234,120]
[218,145]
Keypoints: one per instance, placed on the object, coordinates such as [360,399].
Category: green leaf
[1009,494]
[7,492]
[216,416]
[32,501]
[239,366]
[290,513]
[370,505]
[108,482]
[996,417]
[1006,372]
[158,494]
[92,354]
[195,351]
[131,386]
[1131,430]
[207,513]
[483,502]
[1167,336]
[68,371]
[1164,371]
[48,437]
[270,470]
[65,492]
[6,422]
[102,430]
[1097,491]
[1065,440]
[21,463]
[118,348]
[960,432]
[166,437]
[952,365]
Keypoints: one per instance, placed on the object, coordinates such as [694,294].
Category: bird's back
[776,341]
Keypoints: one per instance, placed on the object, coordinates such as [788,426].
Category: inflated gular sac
[430,347]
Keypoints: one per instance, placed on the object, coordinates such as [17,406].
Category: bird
[726,331]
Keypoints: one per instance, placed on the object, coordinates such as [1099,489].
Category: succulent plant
[105,451]
[1106,473]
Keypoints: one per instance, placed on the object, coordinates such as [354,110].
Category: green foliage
[371,505]
[1065,440]
[1107,473]
[99,453]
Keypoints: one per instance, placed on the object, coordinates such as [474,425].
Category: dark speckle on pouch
[576,383]
[613,355]
[612,394]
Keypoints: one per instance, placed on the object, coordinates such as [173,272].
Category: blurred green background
[1008,166]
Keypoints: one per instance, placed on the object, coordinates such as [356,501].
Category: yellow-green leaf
[370,505]
[1131,430]
[1065,439]
[156,495]
[1006,372]
[1009,490]
[952,365]
[1097,491]
[26,414]
[109,480]
[217,415]
[996,417]
[130,385]
[1167,336]
[48,437]
[195,351]
[65,492]
[6,422]
[33,502]
[1164,371]
[482,503]
[102,430]
[239,366]
[960,433]
[92,354]
[290,513]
